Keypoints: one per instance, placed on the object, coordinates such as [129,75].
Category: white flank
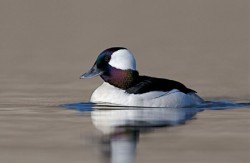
[107,93]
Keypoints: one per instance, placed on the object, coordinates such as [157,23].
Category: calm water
[39,130]
[122,127]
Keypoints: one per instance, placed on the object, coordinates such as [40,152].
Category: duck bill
[93,72]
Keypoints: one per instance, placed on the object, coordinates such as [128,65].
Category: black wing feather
[146,84]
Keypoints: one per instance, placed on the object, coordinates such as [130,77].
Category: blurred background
[45,45]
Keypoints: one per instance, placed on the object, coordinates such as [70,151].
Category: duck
[123,85]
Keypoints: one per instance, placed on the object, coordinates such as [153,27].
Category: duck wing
[146,84]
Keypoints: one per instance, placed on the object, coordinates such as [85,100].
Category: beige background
[204,44]
[45,45]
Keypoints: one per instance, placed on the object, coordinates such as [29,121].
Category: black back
[145,84]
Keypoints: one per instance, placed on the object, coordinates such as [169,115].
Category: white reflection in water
[108,119]
[121,127]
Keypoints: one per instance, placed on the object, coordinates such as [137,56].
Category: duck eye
[107,58]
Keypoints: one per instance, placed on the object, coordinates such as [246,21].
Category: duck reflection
[121,127]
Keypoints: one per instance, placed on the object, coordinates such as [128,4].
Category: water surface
[122,126]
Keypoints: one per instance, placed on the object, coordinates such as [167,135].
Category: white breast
[107,93]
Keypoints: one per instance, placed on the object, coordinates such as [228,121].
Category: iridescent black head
[115,57]
[116,66]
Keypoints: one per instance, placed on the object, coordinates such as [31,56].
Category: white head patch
[123,59]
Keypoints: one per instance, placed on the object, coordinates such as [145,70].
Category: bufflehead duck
[124,86]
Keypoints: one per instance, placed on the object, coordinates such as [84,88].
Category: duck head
[116,66]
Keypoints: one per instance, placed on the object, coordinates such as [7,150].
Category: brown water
[46,45]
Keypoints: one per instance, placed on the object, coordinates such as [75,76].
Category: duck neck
[122,79]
